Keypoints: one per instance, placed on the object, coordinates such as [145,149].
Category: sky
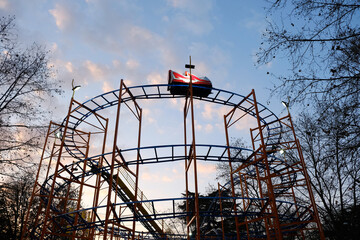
[99,42]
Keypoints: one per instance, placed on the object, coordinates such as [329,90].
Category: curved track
[169,153]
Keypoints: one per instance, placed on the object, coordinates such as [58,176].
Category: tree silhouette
[210,215]
[321,42]
[25,83]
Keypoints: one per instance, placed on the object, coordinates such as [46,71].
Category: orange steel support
[221,212]
[58,177]
[264,185]
[275,224]
[113,183]
[191,159]
[274,177]
[109,203]
[98,183]
[62,169]
[231,175]
[51,194]
[53,203]
[36,186]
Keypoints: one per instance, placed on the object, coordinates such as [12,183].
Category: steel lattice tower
[80,160]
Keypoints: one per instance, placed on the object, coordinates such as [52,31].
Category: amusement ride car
[179,84]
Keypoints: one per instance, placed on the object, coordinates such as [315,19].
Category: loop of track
[144,92]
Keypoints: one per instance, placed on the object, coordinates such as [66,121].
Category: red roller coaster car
[179,84]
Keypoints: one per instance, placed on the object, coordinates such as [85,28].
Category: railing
[145,202]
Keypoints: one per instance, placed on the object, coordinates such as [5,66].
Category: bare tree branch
[24,74]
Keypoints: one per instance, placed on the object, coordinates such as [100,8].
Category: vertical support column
[259,157]
[246,203]
[56,194]
[137,171]
[271,196]
[228,122]
[108,206]
[289,178]
[189,105]
[47,211]
[38,186]
[271,220]
[78,205]
[137,111]
[227,125]
[221,212]
[25,227]
[307,180]
[186,169]
[98,182]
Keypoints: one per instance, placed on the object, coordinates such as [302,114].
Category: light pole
[74,88]
[286,104]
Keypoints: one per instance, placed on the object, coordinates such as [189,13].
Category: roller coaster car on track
[179,84]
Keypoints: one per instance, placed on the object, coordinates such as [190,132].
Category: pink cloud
[206,169]
[167,179]
[95,70]
[155,78]
[62,16]
[4,4]
[107,87]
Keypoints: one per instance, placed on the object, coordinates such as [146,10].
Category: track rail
[273,131]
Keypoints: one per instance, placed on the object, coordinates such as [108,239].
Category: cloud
[54,47]
[167,179]
[157,177]
[87,73]
[4,4]
[95,70]
[155,78]
[256,22]
[177,103]
[194,17]
[149,177]
[212,111]
[179,3]
[174,102]
[141,34]
[206,169]
[69,67]
[107,87]
[128,43]
[207,61]
[209,128]
[116,63]
[132,64]
[208,112]
[246,122]
[62,15]
[147,115]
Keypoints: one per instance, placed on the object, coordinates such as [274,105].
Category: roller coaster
[268,195]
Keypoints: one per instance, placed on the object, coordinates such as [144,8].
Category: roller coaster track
[207,153]
[146,214]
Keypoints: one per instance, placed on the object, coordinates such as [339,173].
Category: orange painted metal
[274,184]
[191,158]
[269,218]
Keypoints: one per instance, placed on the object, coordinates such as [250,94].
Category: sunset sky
[99,42]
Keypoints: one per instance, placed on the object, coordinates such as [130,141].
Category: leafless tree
[14,195]
[321,41]
[331,147]
[26,80]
